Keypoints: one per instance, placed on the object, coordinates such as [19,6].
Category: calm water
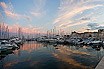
[33,55]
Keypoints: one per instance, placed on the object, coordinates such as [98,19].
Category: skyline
[43,15]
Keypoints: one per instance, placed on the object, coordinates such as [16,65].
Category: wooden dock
[100,64]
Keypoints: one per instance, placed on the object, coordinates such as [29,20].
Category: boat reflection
[39,55]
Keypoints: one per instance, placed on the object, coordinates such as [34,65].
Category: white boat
[96,42]
[40,39]
[68,41]
[16,40]
[3,48]
[52,40]
[6,44]
[14,45]
[79,42]
[60,41]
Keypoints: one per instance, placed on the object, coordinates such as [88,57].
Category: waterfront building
[74,34]
[101,33]
[87,34]
[90,34]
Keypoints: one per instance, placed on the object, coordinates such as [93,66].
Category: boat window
[2,42]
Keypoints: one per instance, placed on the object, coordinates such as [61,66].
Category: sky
[43,15]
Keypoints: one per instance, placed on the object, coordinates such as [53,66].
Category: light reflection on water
[33,55]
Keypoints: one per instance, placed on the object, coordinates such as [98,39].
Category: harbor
[51,34]
[52,50]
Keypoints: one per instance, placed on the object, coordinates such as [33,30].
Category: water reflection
[44,56]
[70,61]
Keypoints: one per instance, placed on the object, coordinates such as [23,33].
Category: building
[90,34]
[74,34]
[101,33]
[84,35]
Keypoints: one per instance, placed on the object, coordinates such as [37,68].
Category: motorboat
[14,45]
[60,41]
[3,48]
[6,44]
[52,40]
[96,42]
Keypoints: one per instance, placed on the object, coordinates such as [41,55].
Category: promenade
[100,64]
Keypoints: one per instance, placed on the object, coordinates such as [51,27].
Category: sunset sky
[43,15]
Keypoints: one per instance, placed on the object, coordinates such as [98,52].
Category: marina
[52,50]
[51,34]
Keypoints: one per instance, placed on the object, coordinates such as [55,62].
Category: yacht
[6,44]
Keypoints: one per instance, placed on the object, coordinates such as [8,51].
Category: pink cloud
[83,30]
[70,8]
[8,10]
[35,13]
[14,29]
[3,5]
[10,14]
[79,23]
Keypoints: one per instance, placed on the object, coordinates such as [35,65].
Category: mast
[8,33]
[47,33]
[3,30]
[19,32]
[0,31]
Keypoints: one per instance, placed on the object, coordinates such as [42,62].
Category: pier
[100,64]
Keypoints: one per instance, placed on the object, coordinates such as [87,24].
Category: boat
[52,40]
[14,46]
[60,41]
[3,49]
[6,44]
[96,42]
[16,41]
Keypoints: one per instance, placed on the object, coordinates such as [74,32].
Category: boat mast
[0,31]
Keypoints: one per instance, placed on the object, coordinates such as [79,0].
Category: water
[33,55]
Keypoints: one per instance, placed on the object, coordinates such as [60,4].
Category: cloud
[38,8]
[69,9]
[35,14]
[11,14]
[83,30]
[26,17]
[94,26]
[100,27]
[40,27]
[79,23]
[30,26]
[30,29]
[4,5]
[85,19]
[39,4]
[1,16]
[8,10]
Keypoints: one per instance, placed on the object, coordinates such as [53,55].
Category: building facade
[101,33]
